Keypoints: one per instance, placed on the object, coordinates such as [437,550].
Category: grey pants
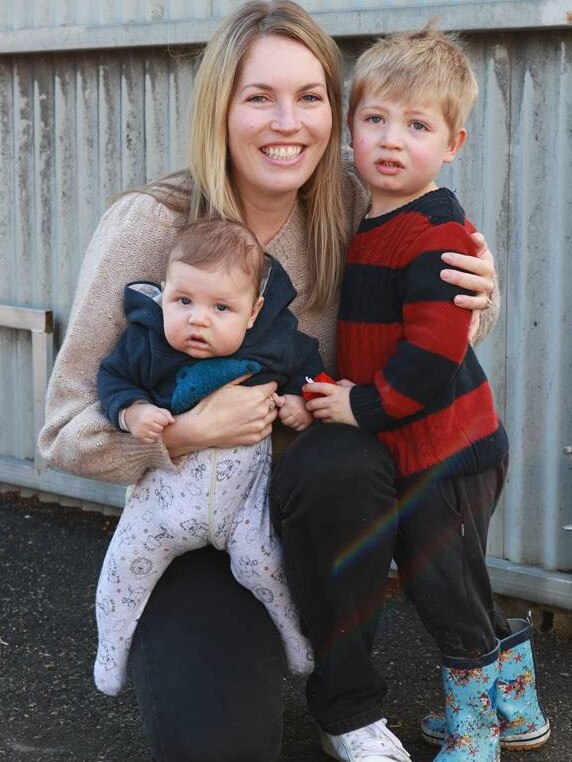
[219,498]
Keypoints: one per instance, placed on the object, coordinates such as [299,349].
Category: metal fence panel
[39,25]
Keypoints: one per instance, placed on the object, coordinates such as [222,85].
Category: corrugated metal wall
[78,125]
[62,24]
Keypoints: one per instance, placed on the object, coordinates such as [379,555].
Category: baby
[221,315]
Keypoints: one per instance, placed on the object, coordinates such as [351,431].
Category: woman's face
[279,119]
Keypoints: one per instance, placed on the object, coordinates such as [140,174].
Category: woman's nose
[285,118]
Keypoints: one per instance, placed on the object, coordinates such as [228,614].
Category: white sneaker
[374,743]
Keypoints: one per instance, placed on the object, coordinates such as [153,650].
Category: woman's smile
[282,153]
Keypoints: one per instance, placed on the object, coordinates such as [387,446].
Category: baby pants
[219,498]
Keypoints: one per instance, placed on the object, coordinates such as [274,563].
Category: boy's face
[399,147]
[206,313]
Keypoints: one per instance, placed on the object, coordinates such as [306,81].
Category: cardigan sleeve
[131,242]
[488,318]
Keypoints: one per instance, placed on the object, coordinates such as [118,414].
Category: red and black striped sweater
[401,339]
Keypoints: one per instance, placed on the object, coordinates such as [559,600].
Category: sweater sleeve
[131,242]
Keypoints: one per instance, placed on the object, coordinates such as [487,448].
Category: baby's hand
[332,402]
[146,422]
[292,411]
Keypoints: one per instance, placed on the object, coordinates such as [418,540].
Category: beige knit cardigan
[132,242]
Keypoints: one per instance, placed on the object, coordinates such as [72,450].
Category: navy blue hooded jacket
[143,366]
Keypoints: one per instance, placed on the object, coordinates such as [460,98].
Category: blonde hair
[217,242]
[424,65]
[210,183]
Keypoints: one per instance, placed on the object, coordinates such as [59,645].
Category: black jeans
[207,665]
[334,506]
[440,555]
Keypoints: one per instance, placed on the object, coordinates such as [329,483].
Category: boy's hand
[146,422]
[333,404]
[322,378]
[292,411]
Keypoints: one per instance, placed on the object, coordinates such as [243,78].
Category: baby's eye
[184,300]
[418,126]
[221,307]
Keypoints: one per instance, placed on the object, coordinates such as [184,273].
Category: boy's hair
[424,64]
[217,242]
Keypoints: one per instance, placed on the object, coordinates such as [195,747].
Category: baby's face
[206,313]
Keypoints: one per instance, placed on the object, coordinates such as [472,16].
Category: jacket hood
[142,304]
[278,293]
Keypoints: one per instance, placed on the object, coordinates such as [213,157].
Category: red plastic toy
[322,378]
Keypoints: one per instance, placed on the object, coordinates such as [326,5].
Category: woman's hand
[475,274]
[233,415]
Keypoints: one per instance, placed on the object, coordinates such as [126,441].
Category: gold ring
[271,405]
[489,303]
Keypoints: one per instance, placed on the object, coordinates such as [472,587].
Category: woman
[265,149]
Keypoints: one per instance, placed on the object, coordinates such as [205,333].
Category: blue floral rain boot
[523,724]
[470,687]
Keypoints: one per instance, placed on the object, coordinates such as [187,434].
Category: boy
[207,325]
[417,384]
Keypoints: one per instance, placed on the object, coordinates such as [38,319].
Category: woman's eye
[257,99]
[374,118]
[311,98]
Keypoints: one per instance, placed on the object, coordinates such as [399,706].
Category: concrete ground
[50,712]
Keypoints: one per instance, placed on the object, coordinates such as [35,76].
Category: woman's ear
[457,142]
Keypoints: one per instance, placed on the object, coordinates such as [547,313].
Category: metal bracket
[567,451]
[40,323]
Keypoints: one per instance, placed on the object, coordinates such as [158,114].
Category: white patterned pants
[219,498]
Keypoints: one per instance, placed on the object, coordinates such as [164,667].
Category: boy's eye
[221,307]
[418,126]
